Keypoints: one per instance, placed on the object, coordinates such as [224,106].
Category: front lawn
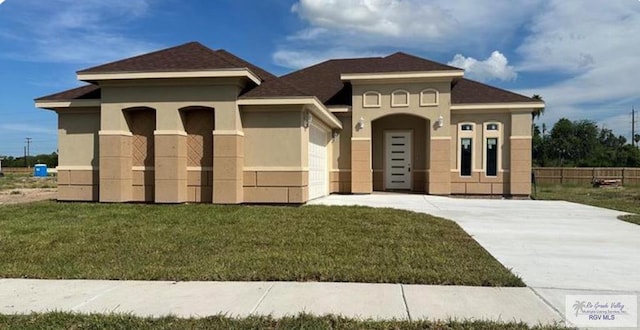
[626,199]
[240,243]
[94,321]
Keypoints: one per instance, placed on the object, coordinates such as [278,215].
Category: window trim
[364,99]
[466,135]
[393,98]
[425,104]
[488,134]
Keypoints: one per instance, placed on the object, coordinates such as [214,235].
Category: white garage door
[318,170]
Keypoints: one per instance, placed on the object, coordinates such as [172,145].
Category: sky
[581,56]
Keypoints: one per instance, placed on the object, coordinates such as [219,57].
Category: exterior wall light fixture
[360,123]
[308,119]
[440,122]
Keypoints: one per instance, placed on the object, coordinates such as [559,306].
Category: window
[400,98]
[465,156]
[492,156]
[371,100]
[492,127]
[466,127]
[428,97]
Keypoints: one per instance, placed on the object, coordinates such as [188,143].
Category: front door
[397,159]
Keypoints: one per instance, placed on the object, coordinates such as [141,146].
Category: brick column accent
[361,173]
[439,174]
[115,166]
[520,166]
[170,166]
[228,164]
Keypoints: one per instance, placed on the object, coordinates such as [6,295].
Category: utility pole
[28,141]
[633,126]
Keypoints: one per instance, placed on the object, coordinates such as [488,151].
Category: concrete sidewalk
[238,299]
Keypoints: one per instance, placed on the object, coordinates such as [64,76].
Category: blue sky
[582,56]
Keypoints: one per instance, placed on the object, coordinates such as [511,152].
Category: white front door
[397,159]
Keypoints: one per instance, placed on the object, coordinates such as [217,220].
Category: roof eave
[62,104]
[222,73]
[317,108]
[451,74]
[496,106]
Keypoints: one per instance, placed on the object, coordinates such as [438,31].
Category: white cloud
[590,43]
[495,66]
[88,31]
[366,26]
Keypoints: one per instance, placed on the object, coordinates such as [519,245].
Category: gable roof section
[323,80]
[192,56]
[86,92]
[466,91]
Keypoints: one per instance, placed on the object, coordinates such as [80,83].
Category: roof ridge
[195,43]
[421,59]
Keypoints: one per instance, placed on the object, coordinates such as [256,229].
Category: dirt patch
[26,195]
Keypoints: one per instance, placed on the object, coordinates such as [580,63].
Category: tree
[537,112]
[581,143]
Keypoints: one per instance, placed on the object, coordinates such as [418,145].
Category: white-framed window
[492,153]
[371,99]
[400,98]
[429,97]
[466,152]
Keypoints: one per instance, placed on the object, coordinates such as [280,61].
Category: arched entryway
[400,153]
[142,124]
[199,124]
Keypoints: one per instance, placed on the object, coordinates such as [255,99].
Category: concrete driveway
[556,247]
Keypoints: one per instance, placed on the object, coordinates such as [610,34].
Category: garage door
[318,170]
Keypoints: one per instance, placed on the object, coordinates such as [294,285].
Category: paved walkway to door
[556,247]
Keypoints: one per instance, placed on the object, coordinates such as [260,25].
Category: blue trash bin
[40,170]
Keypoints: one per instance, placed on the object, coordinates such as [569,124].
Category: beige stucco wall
[340,155]
[166,99]
[78,162]
[431,113]
[274,137]
[480,120]
[78,137]
[514,166]
[420,137]
[362,175]
[275,153]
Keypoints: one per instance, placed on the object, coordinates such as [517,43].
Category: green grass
[240,243]
[626,199]
[303,321]
[22,181]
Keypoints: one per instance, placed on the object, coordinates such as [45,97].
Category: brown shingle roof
[323,80]
[469,91]
[86,92]
[191,56]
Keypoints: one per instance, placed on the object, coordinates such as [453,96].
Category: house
[192,124]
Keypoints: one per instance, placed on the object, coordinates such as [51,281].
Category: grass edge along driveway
[625,199]
[240,243]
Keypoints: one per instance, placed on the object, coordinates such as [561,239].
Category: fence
[586,175]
